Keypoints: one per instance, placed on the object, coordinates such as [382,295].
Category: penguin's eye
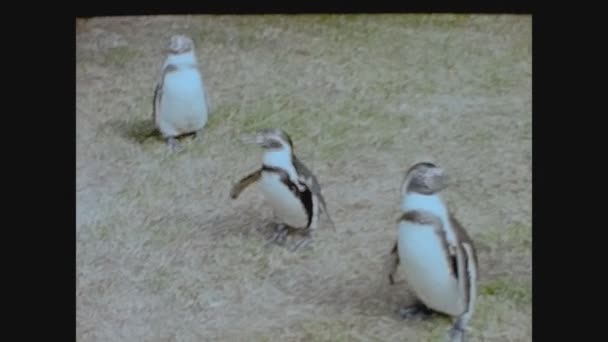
[273,143]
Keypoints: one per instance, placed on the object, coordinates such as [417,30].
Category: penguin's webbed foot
[301,243]
[418,310]
[457,332]
[280,233]
[173,144]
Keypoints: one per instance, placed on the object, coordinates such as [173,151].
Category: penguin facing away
[288,185]
[180,105]
[436,255]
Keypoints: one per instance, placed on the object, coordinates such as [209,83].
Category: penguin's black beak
[439,178]
[445,176]
[444,179]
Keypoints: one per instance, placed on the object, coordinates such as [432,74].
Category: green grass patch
[508,289]
[119,57]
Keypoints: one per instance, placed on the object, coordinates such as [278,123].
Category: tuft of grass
[321,330]
[516,238]
[119,57]
[520,235]
[159,281]
[250,251]
[103,232]
[498,317]
[438,329]
[162,235]
[87,56]
[508,289]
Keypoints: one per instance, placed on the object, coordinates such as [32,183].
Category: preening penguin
[436,255]
[288,185]
[180,105]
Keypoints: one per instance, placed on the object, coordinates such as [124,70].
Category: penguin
[433,250]
[289,186]
[180,105]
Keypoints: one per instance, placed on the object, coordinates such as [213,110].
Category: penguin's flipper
[464,236]
[308,178]
[329,219]
[244,183]
[395,254]
[311,184]
[207,99]
[158,91]
[158,94]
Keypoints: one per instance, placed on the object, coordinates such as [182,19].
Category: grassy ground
[164,255]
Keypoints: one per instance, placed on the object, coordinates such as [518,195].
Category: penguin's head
[179,44]
[270,139]
[424,178]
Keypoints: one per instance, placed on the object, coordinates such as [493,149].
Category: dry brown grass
[163,254]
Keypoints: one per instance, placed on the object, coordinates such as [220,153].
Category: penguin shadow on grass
[359,294]
[143,132]
[137,131]
[244,222]
[260,231]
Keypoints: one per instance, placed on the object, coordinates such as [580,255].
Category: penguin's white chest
[426,268]
[287,206]
[183,107]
